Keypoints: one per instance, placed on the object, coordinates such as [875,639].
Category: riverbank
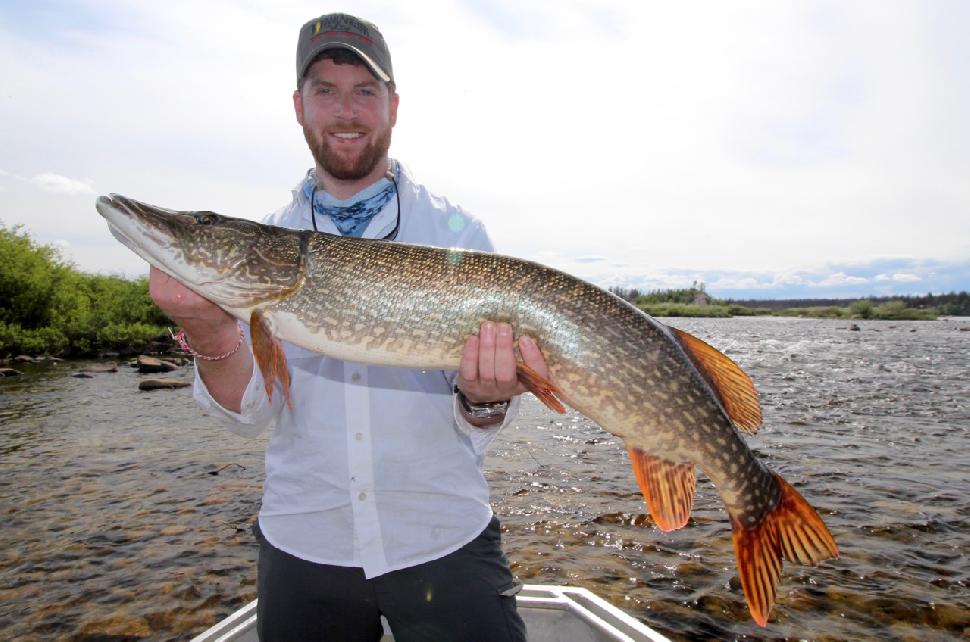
[861,310]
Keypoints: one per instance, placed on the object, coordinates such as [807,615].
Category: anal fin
[269,355]
[544,390]
[667,487]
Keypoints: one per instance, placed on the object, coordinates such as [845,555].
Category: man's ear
[395,99]
[298,106]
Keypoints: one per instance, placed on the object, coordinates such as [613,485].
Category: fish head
[233,262]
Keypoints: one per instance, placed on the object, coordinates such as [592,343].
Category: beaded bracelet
[180,338]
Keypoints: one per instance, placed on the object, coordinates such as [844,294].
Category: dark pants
[466,596]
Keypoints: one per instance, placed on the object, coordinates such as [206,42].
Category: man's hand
[487,370]
[211,329]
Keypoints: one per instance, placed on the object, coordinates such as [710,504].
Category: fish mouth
[135,227]
[169,240]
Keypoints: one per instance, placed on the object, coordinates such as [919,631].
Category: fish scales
[675,401]
[411,305]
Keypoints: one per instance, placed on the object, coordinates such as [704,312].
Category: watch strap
[485,410]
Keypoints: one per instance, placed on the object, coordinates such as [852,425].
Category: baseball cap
[343,31]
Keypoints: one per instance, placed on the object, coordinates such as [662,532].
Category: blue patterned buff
[352,215]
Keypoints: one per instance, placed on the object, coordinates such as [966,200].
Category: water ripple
[126,513]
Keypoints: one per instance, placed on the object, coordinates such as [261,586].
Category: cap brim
[374,67]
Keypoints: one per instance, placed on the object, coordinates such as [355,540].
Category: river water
[126,513]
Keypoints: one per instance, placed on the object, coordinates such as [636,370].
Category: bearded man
[374,502]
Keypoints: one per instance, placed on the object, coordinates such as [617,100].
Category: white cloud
[899,278]
[62,184]
[840,279]
[738,282]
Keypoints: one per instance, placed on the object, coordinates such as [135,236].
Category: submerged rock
[151,364]
[100,368]
[9,372]
[163,384]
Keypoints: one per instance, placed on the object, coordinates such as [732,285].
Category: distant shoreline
[848,313]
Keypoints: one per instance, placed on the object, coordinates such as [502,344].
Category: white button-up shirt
[373,467]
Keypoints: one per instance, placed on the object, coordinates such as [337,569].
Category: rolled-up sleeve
[256,411]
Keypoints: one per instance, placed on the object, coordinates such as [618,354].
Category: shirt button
[362,496]
[355,376]
[359,436]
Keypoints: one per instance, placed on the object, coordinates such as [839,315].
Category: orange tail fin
[541,387]
[269,356]
[792,529]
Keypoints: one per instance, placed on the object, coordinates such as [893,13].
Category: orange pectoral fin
[269,355]
[791,529]
[542,388]
[668,488]
[730,383]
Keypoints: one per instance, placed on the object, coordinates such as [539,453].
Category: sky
[816,149]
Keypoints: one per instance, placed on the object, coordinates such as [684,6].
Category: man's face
[347,115]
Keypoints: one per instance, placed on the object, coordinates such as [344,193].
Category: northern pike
[676,402]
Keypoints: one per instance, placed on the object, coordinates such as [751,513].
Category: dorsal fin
[667,487]
[728,381]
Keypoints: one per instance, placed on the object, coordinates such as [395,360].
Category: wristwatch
[488,410]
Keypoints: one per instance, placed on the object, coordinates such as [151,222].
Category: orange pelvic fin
[733,387]
[668,488]
[269,355]
[544,390]
[792,529]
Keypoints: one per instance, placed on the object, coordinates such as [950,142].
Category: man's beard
[343,168]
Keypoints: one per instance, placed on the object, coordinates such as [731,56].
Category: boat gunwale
[589,607]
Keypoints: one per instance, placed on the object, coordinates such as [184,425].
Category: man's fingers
[468,369]
[504,355]
[532,355]
[486,352]
[488,368]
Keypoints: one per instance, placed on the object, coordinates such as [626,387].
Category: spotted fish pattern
[677,402]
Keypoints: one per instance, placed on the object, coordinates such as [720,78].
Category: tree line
[47,306]
[954,304]
[695,301]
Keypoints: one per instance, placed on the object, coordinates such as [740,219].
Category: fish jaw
[234,263]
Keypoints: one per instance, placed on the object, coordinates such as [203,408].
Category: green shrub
[684,310]
[49,306]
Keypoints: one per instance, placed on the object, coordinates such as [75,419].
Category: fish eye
[205,219]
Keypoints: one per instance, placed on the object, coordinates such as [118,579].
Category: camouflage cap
[343,31]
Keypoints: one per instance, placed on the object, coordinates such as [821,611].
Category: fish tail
[791,529]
